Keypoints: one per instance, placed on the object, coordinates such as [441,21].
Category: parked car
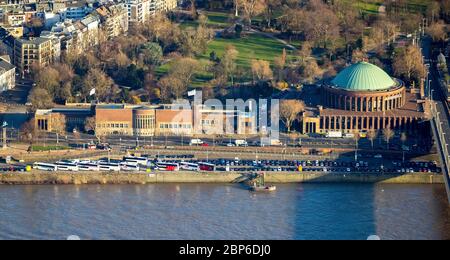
[195,142]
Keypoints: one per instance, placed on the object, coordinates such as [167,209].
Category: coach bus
[170,167]
[45,167]
[209,167]
[188,166]
[67,166]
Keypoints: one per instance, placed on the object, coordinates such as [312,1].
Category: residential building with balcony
[39,51]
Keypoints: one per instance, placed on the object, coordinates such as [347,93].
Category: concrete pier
[43,178]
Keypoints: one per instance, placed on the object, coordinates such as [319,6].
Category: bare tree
[311,71]
[280,64]
[98,80]
[305,51]
[403,138]
[151,86]
[289,112]
[180,75]
[388,134]
[359,55]
[28,133]
[251,8]
[409,63]
[40,99]
[58,125]
[356,138]
[372,134]
[438,31]
[172,86]
[261,70]
[228,63]
[90,124]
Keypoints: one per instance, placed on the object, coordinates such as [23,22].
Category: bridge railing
[442,143]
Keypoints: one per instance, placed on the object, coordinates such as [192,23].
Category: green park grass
[249,47]
[371,6]
[252,46]
[218,20]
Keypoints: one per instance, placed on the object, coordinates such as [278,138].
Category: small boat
[260,186]
[264,188]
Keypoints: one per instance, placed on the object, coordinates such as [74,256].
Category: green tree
[151,53]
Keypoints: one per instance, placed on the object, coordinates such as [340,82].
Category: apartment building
[40,51]
[138,10]
[157,6]
[114,20]
[7,75]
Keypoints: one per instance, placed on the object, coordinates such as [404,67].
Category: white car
[196,142]
[241,143]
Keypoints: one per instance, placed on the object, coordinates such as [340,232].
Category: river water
[204,211]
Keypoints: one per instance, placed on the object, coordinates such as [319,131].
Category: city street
[19,94]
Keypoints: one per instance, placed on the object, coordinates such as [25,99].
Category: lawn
[218,20]
[372,6]
[252,46]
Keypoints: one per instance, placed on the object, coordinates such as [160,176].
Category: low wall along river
[78,178]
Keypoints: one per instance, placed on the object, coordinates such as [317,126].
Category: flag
[192,93]
[92,92]
[4,124]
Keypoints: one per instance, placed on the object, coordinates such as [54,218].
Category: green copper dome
[363,76]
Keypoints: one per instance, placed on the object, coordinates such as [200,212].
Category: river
[210,211]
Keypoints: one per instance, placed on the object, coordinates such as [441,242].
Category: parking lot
[148,163]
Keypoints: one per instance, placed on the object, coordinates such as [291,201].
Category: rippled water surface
[202,211]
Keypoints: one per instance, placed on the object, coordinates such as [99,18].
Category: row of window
[175,126]
[209,122]
[112,125]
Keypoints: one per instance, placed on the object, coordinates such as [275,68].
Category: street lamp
[429,86]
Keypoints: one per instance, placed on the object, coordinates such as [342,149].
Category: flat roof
[110,106]
[37,40]
[4,65]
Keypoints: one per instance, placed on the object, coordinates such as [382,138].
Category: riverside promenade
[61,178]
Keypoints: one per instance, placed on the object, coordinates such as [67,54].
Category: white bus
[88,167]
[109,167]
[136,160]
[45,167]
[66,166]
[189,166]
[130,167]
[170,167]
